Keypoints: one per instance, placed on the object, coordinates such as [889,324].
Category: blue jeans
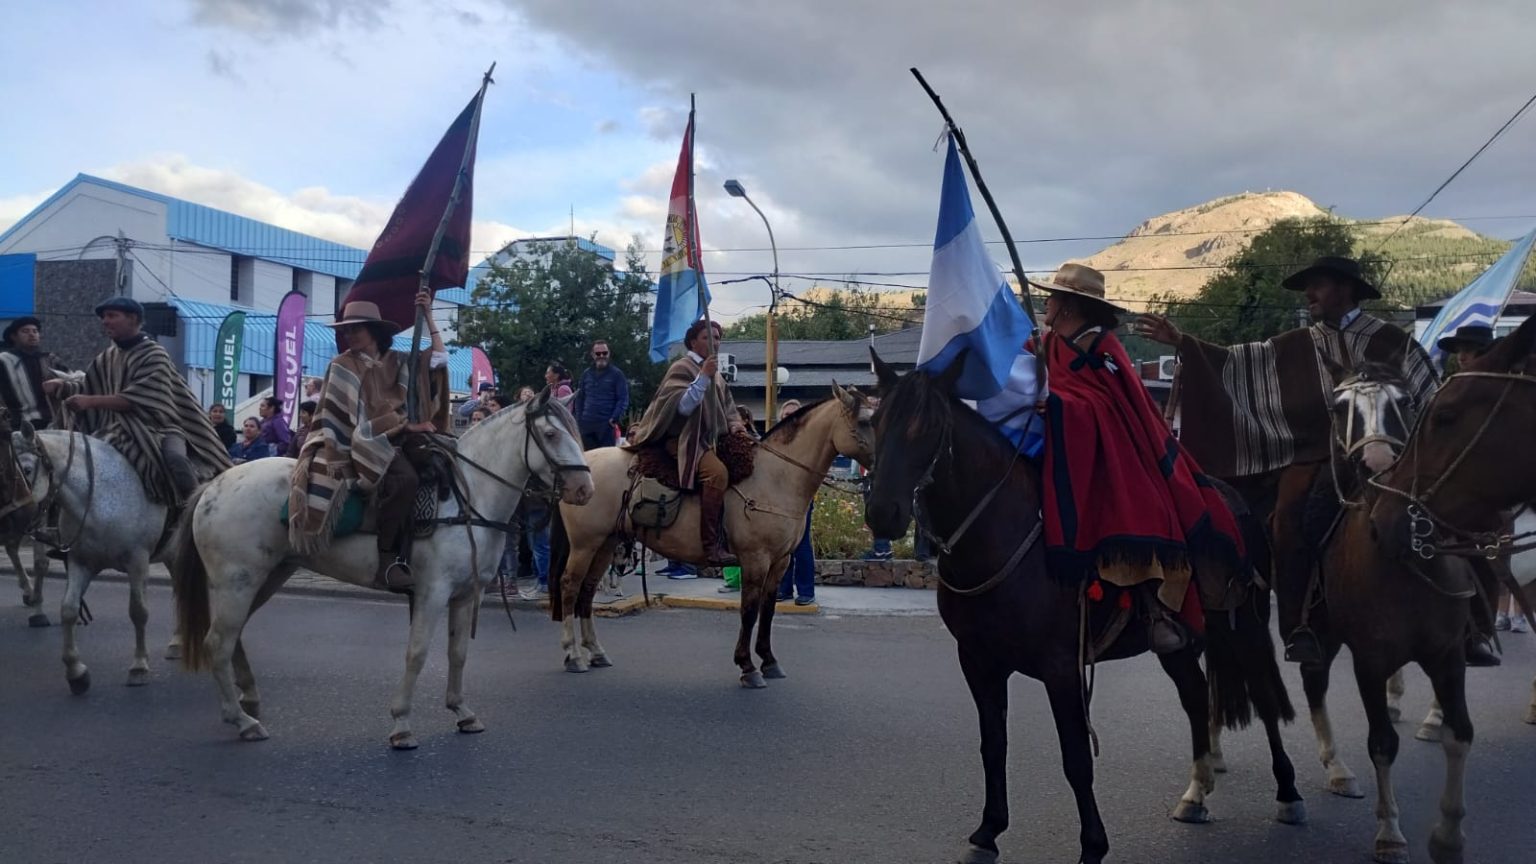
[800,575]
[537,539]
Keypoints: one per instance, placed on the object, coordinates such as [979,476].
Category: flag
[682,293]
[288,353]
[391,275]
[1482,301]
[480,371]
[971,309]
[226,359]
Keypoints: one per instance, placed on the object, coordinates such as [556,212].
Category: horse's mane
[789,427]
[1385,373]
[918,402]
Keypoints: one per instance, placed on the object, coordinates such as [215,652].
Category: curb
[727,604]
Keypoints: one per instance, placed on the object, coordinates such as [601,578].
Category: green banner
[226,358]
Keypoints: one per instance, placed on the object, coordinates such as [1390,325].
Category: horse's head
[25,446]
[1370,410]
[912,429]
[855,436]
[1469,457]
[556,455]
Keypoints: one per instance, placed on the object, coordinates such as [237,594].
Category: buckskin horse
[235,554]
[764,518]
[1007,614]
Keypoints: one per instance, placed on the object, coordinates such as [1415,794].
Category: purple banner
[288,355]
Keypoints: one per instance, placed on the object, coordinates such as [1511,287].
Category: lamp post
[770,332]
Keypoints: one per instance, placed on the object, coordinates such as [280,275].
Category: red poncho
[1123,500]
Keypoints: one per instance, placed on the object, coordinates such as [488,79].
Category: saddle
[654,497]
[359,513]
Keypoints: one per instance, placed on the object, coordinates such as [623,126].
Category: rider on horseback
[363,438]
[1259,414]
[692,409]
[134,398]
[1123,501]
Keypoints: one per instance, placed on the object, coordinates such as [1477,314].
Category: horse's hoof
[1390,852]
[1443,852]
[251,709]
[255,732]
[973,854]
[1345,787]
[1394,713]
[574,665]
[138,677]
[173,652]
[1428,733]
[1218,763]
[1530,716]
[1191,813]
[774,671]
[403,741]
[600,661]
[471,726]
[37,619]
[1292,813]
[753,680]
[79,685]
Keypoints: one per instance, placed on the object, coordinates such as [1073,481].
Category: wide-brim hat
[23,321]
[1475,336]
[363,312]
[1338,267]
[1080,280]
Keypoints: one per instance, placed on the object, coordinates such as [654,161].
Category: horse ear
[884,374]
[849,398]
[1513,352]
[543,398]
[946,380]
[28,431]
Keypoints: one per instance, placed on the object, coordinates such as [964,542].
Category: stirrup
[1303,646]
[381,578]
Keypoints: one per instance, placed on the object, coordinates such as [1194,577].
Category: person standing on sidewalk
[799,582]
[601,400]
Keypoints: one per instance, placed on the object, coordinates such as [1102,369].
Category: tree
[840,314]
[1244,302]
[550,305]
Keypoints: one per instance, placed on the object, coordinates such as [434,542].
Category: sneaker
[728,589]
[541,589]
[1501,621]
[805,601]
[1517,624]
[783,598]
[681,575]
[876,555]
[1480,653]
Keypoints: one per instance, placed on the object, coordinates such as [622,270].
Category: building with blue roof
[190,265]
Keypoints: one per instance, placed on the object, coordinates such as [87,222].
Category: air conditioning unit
[1166,365]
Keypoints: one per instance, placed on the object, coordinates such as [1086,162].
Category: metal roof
[899,347]
[200,330]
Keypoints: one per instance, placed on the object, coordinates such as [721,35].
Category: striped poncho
[351,439]
[162,405]
[1254,408]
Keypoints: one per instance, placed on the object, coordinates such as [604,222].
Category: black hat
[23,321]
[1347,269]
[487,387]
[1476,336]
[121,304]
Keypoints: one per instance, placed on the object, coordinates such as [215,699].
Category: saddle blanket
[358,515]
[738,452]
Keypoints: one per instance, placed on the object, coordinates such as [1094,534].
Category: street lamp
[770,332]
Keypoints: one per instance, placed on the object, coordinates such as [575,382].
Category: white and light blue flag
[970,306]
[1482,301]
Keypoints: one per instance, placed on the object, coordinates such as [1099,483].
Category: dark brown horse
[1008,615]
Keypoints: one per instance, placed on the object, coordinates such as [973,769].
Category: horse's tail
[559,556]
[1240,653]
[189,577]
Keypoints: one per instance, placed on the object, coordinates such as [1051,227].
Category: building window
[234,278]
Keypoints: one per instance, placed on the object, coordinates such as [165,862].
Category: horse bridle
[1346,445]
[1425,527]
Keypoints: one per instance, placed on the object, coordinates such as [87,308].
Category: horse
[235,554]
[764,518]
[1008,615]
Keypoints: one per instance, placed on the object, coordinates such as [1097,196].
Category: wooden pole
[412,403]
[986,195]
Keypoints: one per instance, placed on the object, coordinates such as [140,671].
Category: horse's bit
[1424,526]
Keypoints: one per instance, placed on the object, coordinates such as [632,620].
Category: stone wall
[878,574]
[65,295]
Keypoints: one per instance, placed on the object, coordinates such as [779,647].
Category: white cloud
[13,207]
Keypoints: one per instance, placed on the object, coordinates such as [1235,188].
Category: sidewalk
[831,600]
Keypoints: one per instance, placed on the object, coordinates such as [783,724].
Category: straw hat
[1079,280]
[363,312]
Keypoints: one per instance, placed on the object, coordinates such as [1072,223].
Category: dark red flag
[392,274]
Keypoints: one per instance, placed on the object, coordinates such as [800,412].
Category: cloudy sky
[1087,118]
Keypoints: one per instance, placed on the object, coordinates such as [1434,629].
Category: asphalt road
[866,753]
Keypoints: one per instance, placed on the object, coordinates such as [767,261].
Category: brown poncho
[696,432]
[361,412]
[1254,408]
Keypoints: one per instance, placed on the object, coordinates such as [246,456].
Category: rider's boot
[1166,634]
[711,513]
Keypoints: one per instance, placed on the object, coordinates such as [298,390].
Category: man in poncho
[1260,414]
[23,369]
[692,409]
[134,398]
[361,438]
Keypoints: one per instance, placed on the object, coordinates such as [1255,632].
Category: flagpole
[412,403]
[986,195]
[693,226]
